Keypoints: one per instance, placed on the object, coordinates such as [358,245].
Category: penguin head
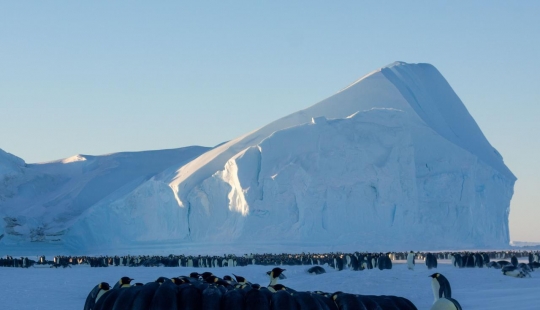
[274,273]
[227,278]
[104,286]
[161,280]
[125,280]
[239,279]
[435,275]
[194,275]
[335,295]
[211,279]
[279,287]
[206,274]
[256,286]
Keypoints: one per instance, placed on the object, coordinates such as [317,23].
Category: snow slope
[392,162]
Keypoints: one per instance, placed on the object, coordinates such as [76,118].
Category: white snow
[474,288]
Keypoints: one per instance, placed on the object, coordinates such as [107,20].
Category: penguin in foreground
[95,294]
[443,294]
[441,286]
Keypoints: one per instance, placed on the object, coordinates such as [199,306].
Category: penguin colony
[206,291]
[339,261]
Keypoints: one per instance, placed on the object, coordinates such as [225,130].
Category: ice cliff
[38,202]
[392,162]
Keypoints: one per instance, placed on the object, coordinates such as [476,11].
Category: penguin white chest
[435,286]
[410,261]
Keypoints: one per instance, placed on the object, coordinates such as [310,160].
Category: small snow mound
[74,158]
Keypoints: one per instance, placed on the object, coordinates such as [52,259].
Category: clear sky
[101,76]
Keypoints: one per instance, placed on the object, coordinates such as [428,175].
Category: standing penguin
[95,294]
[410,260]
[431,261]
[441,286]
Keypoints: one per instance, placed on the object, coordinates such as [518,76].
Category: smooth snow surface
[474,288]
[392,162]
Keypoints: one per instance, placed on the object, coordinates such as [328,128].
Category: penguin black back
[211,298]
[189,297]
[346,301]
[165,297]
[94,294]
[256,300]
[233,299]
[306,302]
[316,270]
[283,300]
[143,300]
[125,300]
[514,260]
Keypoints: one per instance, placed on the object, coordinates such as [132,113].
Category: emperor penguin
[274,275]
[410,260]
[431,261]
[516,272]
[316,270]
[95,294]
[441,286]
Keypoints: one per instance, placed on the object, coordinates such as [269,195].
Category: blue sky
[100,77]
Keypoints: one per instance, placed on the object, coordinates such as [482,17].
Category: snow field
[474,288]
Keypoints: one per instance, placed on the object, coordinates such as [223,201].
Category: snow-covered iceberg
[392,162]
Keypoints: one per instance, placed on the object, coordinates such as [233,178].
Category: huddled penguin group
[206,291]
